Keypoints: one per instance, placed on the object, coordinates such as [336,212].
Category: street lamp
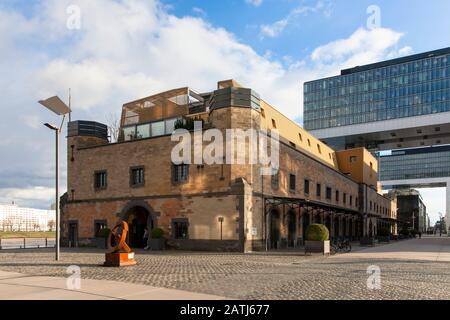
[58,107]
[221,219]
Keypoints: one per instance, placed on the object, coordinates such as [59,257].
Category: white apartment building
[15,218]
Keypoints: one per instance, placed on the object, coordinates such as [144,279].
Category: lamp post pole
[58,107]
[57,131]
[57,196]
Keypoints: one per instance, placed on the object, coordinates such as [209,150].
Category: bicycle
[340,246]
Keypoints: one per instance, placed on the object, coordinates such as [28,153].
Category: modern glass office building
[405,87]
[401,104]
[417,163]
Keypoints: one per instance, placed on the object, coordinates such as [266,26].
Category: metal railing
[27,243]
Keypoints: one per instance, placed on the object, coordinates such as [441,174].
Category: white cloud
[130,49]
[255,3]
[274,29]
[32,121]
[361,47]
[28,196]
[199,11]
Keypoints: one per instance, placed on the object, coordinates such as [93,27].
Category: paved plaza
[410,269]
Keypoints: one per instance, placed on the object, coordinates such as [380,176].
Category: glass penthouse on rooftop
[156,115]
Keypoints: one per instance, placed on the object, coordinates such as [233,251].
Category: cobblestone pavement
[263,276]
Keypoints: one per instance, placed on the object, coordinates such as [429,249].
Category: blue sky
[422,22]
[131,48]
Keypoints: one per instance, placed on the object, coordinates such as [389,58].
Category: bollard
[0,243]
[46,243]
[24,243]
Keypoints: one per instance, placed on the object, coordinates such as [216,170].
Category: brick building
[216,206]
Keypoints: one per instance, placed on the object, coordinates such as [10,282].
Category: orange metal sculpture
[119,253]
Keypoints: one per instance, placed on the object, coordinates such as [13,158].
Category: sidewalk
[431,249]
[16,286]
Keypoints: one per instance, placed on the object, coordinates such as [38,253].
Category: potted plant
[157,241]
[384,235]
[317,239]
[102,235]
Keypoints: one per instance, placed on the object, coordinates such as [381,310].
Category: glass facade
[147,130]
[401,88]
[421,163]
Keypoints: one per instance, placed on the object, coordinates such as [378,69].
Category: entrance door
[274,229]
[73,234]
[137,222]
[292,223]
[328,223]
[305,223]
[336,227]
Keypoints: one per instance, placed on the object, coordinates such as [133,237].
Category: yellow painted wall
[293,133]
[360,165]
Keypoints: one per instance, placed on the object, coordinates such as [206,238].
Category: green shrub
[157,233]
[187,123]
[103,233]
[317,232]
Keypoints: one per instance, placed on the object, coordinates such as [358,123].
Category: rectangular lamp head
[56,105]
[51,126]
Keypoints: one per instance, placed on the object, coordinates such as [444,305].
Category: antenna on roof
[70,104]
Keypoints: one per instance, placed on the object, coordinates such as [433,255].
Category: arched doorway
[336,227]
[274,229]
[139,215]
[305,220]
[328,223]
[345,221]
[137,221]
[292,230]
[317,218]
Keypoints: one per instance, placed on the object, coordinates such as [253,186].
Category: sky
[110,52]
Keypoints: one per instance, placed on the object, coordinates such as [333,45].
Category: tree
[51,225]
[113,123]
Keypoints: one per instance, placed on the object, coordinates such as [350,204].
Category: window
[263,114]
[328,194]
[344,198]
[318,149]
[370,205]
[353,159]
[137,176]
[293,145]
[371,169]
[99,225]
[318,190]
[337,196]
[300,137]
[158,129]
[143,131]
[356,202]
[170,126]
[274,124]
[275,179]
[351,200]
[292,182]
[180,173]
[180,228]
[129,133]
[309,143]
[306,187]
[100,180]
